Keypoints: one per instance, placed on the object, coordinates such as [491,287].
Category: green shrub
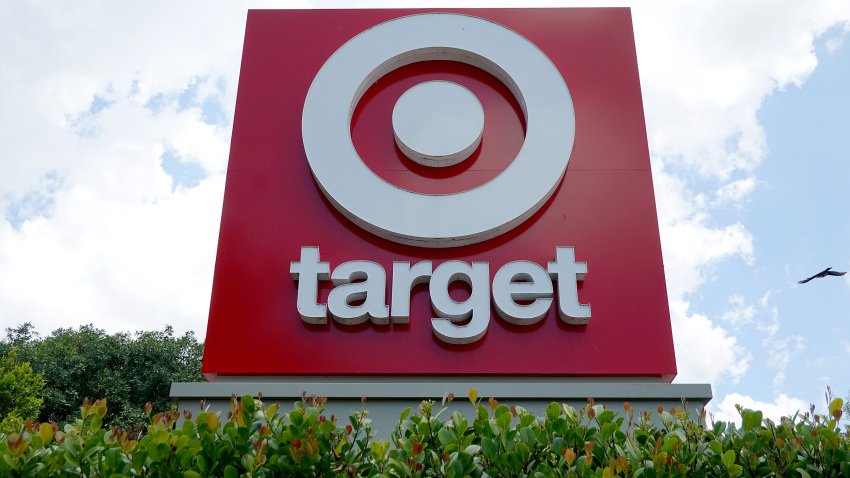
[20,388]
[255,440]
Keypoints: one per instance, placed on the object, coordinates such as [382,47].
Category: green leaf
[379,449]
[554,411]
[188,427]
[557,445]
[503,417]
[248,403]
[728,459]
[607,431]
[492,426]
[750,419]
[803,473]
[161,436]
[230,472]
[45,432]
[526,435]
[456,468]
[606,416]
[716,447]
[445,436]
[153,451]
[489,448]
[675,436]
[502,410]
[297,417]
[835,405]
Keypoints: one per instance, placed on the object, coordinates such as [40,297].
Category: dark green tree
[126,369]
[22,337]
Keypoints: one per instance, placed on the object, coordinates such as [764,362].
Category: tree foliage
[129,369]
[20,389]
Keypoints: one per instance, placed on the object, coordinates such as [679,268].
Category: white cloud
[690,246]
[833,44]
[57,58]
[740,313]
[734,192]
[780,352]
[772,326]
[765,299]
[782,406]
[100,234]
[131,264]
[706,72]
[706,353]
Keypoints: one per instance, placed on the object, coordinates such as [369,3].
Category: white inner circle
[438,220]
[438,123]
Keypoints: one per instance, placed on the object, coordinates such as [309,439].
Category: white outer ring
[430,220]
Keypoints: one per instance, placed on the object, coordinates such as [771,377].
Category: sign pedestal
[386,397]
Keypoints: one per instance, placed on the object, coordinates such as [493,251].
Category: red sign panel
[282,173]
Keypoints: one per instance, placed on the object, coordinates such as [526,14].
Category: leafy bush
[19,392]
[255,440]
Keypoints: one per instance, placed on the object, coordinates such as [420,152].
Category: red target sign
[435,193]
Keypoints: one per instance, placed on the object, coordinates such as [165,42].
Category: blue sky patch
[99,104]
[211,105]
[184,173]
[157,103]
[189,97]
[83,124]
[35,203]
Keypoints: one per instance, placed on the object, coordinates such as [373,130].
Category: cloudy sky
[115,126]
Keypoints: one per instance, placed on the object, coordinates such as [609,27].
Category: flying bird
[826,272]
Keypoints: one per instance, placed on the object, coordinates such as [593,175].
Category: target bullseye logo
[438,124]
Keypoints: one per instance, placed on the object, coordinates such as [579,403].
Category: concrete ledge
[556,389]
[388,396]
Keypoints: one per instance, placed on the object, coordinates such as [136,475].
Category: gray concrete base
[386,397]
